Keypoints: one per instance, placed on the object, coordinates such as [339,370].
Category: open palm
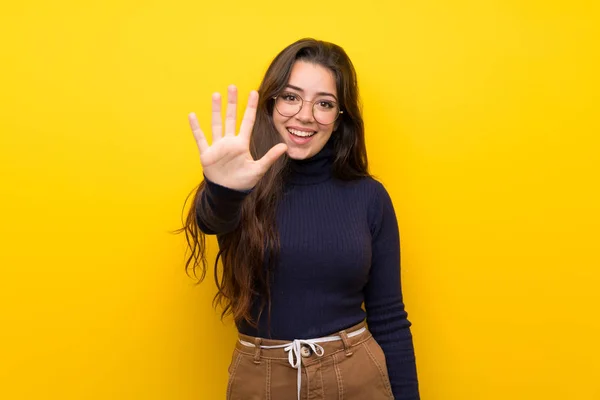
[227,161]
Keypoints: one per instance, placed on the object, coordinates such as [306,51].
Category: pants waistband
[269,352]
[298,349]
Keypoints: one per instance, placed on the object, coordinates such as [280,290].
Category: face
[302,133]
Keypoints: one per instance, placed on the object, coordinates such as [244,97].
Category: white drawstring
[294,350]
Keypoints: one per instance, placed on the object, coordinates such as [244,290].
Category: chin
[299,154]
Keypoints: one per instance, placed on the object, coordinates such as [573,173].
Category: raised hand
[227,161]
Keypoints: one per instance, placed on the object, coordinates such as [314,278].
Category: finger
[217,127]
[231,116]
[272,155]
[249,115]
[198,134]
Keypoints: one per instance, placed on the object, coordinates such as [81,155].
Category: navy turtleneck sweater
[340,247]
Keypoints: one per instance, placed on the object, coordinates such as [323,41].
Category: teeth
[300,133]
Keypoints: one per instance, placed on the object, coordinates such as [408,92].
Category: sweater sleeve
[218,208]
[386,315]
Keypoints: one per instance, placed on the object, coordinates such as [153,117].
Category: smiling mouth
[302,134]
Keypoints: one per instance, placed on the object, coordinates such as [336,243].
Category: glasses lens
[325,111]
[288,105]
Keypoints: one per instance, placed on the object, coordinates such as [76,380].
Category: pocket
[377,357]
[362,375]
[232,369]
[247,379]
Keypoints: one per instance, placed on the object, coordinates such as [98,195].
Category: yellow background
[482,122]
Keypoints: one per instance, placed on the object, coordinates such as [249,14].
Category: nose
[306,112]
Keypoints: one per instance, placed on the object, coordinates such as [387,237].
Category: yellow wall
[482,121]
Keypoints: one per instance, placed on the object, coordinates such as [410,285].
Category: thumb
[272,155]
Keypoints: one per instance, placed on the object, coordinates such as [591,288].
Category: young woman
[306,238]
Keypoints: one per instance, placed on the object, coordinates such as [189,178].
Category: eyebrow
[318,94]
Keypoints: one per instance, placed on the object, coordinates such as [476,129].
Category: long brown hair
[254,244]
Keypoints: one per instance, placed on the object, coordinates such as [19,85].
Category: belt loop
[257,349]
[346,341]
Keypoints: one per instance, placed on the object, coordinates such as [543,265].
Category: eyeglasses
[324,111]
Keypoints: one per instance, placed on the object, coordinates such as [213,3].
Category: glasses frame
[302,106]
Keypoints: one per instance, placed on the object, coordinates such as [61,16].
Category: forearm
[218,209]
[391,329]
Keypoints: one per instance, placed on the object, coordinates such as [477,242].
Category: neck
[315,169]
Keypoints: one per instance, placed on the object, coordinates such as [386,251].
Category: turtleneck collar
[315,169]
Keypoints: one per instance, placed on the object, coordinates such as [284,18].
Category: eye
[291,97]
[326,105]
